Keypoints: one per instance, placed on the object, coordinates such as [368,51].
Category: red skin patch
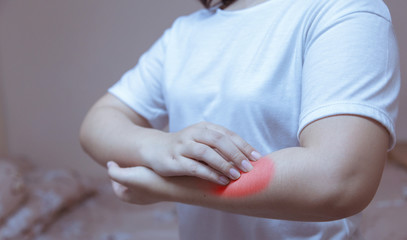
[249,183]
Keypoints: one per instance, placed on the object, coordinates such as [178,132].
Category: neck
[242,4]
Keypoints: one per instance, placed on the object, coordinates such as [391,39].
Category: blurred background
[57,57]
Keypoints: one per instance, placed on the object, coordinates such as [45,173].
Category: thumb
[126,176]
[116,173]
[111,164]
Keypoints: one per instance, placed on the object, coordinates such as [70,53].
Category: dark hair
[222,4]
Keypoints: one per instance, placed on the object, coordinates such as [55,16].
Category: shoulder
[367,15]
[341,8]
[185,27]
[185,22]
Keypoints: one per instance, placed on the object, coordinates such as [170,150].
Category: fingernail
[109,164]
[234,173]
[246,166]
[223,180]
[256,155]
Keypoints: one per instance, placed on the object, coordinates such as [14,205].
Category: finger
[121,191]
[125,176]
[203,153]
[193,168]
[249,151]
[128,195]
[226,146]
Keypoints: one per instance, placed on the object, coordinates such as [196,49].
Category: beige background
[57,57]
[3,142]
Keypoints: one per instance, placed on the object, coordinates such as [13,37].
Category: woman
[311,86]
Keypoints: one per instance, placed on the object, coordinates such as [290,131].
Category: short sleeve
[351,66]
[141,87]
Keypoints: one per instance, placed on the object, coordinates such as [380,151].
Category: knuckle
[186,132]
[217,137]
[180,141]
[201,150]
[226,131]
[243,146]
[236,138]
[171,160]
[237,156]
[190,135]
[225,167]
[212,176]
[167,168]
[247,149]
[193,169]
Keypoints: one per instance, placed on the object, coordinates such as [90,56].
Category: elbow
[347,204]
[84,138]
[347,197]
[86,141]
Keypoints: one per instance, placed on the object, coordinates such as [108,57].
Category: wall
[398,10]
[3,141]
[57,57]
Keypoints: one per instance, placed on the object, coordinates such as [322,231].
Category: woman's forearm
[334,174]
[299,189]
[112,131]
[108,134]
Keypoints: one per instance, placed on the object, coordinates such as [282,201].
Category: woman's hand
[140,190]
[141,185]
[203,150]
[112,131]
[320,180]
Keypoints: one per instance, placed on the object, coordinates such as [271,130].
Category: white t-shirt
[266,72]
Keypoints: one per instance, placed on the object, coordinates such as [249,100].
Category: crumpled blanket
[36,199]
[12,190]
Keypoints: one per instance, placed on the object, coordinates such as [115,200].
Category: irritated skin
[251,182]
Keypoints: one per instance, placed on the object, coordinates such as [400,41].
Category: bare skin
[249,183]
[334,173]
[113,132]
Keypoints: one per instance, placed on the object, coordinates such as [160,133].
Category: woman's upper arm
[351,66]
[112,102]
[353,148]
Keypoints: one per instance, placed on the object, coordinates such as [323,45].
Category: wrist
[148,144]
